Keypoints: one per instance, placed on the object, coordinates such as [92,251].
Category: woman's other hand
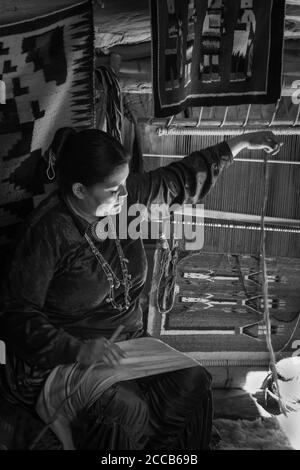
[263,140]
[100,350]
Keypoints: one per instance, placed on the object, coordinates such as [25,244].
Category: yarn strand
[265,287]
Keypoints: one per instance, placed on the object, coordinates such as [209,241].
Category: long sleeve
[24,326]
[183,182]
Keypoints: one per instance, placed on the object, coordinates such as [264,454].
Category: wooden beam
[248,218]
[237,159]
[13,11]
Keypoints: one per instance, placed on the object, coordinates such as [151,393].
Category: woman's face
[104,198]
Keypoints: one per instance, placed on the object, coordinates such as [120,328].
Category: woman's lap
[117,420]
[179,409]
[169,410]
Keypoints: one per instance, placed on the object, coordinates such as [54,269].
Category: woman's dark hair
[87,157]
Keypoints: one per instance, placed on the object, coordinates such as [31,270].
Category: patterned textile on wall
[47,66]
[109,103]
[216,52]
[115,115]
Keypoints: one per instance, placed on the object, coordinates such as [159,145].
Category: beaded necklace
[113,280]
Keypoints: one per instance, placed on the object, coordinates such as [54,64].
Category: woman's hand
[264,140]
[100,350]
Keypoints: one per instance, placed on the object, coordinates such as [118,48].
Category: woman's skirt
[157,398]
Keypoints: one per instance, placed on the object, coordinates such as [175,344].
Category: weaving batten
[265,288]
[241,227]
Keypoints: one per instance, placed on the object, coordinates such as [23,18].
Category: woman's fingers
[273,148]
[100,349]
[116,350]
[113,354]
[120,351]
[265,140]
[109,358]
[273,142]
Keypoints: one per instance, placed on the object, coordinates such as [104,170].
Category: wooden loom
[225,327]
[233,206]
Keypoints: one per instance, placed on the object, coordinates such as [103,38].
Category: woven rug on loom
[47,66]
[216,53]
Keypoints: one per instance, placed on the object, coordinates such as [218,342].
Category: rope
[169,257]
[265,287]
[113,113]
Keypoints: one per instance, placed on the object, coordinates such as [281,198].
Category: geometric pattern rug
[46,64]
[215,53]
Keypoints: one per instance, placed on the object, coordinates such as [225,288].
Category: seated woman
[67,291]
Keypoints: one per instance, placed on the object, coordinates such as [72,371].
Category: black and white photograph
[149,229]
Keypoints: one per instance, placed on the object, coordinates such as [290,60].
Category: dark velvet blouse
[55,293]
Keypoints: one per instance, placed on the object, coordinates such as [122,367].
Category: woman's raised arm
[190,179]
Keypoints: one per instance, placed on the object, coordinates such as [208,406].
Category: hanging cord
[56,413]
[169,294]
[111,87]
[166,284]
[265,288]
